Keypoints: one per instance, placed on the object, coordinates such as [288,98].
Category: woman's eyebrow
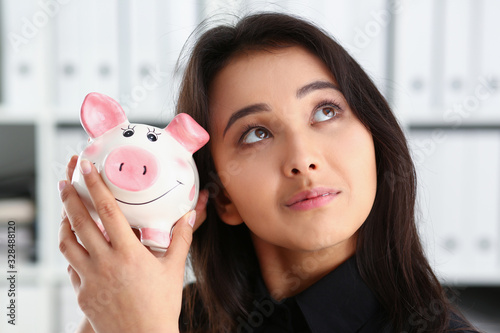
[246,111]
[316,85]
[259,107]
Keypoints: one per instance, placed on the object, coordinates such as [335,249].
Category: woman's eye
[325,113]
[255,135]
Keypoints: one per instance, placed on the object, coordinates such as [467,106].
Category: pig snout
[131,168]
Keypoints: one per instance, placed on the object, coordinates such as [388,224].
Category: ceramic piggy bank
[149,170]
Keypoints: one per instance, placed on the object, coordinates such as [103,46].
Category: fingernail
[85,167]
[61,185]
[192,218]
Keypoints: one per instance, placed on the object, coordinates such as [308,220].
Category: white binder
[481,214]
[87,53]
[69,68]
[181,20]
[458,199]
[439,205]
[141,97]
[458,51]
[487,88]
[414,57]
[25,31]
[158,31]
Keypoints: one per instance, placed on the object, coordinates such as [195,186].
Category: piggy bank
[149,170]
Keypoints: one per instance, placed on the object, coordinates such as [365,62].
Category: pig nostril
[145,169]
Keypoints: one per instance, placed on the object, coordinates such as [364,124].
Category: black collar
[339,302]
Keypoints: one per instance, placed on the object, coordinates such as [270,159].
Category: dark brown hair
[389,254]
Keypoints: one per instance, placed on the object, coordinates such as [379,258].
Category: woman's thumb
[182,235]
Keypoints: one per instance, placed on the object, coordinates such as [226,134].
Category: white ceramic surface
[149,170]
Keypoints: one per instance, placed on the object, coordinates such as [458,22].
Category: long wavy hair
[389,254]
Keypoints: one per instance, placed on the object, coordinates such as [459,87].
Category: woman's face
[297,165]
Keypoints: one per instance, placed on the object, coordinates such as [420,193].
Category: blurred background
[436,61]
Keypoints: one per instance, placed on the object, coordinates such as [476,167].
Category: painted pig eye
[152,135]
[128,132]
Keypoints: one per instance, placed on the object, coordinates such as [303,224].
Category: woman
[309,225]
[356,140]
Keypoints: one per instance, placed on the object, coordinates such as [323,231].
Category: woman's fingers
[182,236]
[74,278]
[182,233]
[116,225]
[70,168]
[74,253]
[201,208]
[80,219]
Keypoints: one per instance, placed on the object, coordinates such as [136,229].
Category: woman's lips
[313,198]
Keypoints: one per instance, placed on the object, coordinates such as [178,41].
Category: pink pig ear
[187,132]
[100,113]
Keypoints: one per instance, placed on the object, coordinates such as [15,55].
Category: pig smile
[150,201]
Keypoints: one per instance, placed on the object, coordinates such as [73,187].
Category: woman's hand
[120,285]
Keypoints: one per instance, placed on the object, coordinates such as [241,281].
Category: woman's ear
[227,209]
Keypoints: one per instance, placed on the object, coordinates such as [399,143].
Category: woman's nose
[302,157]
[296,171]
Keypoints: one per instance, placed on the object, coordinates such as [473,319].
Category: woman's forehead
[257,74]
[286,66]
